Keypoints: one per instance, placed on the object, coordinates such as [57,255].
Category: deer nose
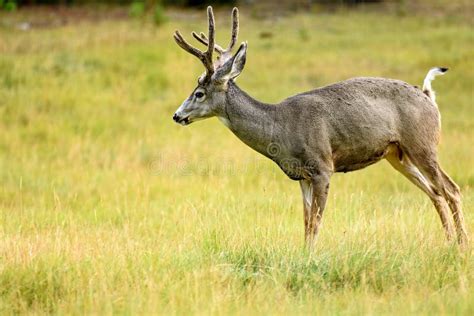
[175,117]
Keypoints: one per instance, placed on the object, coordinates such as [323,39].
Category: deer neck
[253,122]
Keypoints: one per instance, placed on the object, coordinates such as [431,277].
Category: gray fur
[341,127]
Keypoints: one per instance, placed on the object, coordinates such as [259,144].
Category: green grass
[107,206]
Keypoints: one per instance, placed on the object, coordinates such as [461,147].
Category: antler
[205,57]
[202,38]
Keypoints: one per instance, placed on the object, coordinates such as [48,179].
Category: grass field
[107,206]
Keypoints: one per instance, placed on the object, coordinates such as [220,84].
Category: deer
[341,127]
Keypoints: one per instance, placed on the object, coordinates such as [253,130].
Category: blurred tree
[150,3]
[197,3]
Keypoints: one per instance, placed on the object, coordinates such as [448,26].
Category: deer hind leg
[453,196]
[402,163]
[450,191]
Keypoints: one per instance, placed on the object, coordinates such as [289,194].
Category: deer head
[209,97]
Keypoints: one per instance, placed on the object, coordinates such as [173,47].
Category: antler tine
[186,46]
[202,38]
[211,42]
[205,57]
[235,28]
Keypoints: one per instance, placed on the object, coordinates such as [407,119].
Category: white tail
[437,71]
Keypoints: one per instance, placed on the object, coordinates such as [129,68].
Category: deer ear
[232,67]
[238,61]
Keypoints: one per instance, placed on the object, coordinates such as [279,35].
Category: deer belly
[355,160]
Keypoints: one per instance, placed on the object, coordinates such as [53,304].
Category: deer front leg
[320,188]
[307,193]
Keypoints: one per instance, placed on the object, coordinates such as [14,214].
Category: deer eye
[199,94]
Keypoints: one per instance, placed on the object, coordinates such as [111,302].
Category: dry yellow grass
[107,206]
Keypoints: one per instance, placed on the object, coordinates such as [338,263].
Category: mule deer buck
[342,127]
